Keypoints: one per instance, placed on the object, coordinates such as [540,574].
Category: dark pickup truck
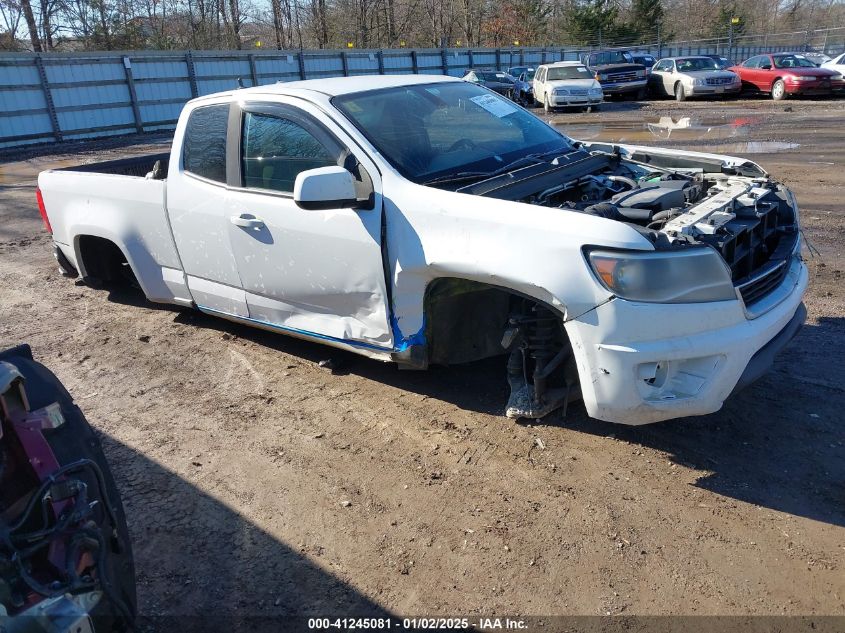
[617,72]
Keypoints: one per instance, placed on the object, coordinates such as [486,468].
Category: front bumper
[624,86]
[563,101]
[714,91]
[810,88]
[640,363]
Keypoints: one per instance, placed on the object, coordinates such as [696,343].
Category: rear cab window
[204,145]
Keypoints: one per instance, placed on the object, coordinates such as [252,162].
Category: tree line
[68,25]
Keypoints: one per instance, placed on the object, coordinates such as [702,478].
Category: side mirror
[324,188]
[766,67]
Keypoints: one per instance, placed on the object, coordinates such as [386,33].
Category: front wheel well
[469,320]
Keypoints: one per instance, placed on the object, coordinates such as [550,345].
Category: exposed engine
[676,202]
[65,561]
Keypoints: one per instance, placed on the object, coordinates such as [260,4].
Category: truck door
[196,194]
[317,273]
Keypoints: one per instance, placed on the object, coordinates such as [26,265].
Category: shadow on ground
[230,568]
[779,444]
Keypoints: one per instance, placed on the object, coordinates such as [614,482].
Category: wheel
[641,94]
[778,90]
[546,105]
[680,93]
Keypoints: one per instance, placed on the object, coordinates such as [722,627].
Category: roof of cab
[334,86]
[564,64]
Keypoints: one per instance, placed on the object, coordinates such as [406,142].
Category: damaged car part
[461,206]
[65,557]
[540,373]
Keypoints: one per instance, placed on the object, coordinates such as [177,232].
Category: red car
[783,74]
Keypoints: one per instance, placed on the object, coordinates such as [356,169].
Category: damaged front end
[720,228]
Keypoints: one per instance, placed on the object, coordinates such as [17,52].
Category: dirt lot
[237,454]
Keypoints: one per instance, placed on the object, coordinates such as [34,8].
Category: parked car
[617,73]
[566,84]
[684,77]
[722,62]
[516,71]
[818,59]
[785,74]
[837,64]
[645,59]
[423,220]
[495,80]
[524,92]
[66,560]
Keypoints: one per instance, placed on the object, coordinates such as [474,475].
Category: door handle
[247,221]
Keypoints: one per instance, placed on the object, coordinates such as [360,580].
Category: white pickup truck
[423,219]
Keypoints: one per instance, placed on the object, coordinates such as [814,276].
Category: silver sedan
[684,77]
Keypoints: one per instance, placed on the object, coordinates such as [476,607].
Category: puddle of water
[722,133]
[664,128]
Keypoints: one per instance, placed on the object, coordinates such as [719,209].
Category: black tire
[73,440]
[779,90]
[680,93]
[641,94]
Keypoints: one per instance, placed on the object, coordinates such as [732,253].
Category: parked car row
[585,83]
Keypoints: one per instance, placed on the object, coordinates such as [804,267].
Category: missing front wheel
[540,369]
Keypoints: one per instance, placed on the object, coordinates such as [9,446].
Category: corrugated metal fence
[57,97]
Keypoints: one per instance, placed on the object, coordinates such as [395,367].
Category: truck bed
[138,166]
[122,202]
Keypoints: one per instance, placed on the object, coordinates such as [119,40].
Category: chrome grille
[763,282]
[626,76]
[719,81]
[580,92]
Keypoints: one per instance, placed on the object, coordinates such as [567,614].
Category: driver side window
[275,150]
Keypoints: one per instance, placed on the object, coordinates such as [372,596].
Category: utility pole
[734,21]
[659,43]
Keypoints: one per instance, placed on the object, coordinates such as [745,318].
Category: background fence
[58,97]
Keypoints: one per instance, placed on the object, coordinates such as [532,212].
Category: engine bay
[747,217]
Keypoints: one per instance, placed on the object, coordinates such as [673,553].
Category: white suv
[566,84]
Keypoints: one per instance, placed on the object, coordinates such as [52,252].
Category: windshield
[612,57]
[433,130]
[568,72]
[492,76]
[528,75]
[792,61]
[691,64]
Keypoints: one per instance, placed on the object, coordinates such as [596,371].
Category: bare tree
[31,26]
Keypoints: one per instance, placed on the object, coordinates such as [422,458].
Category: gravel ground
[257,482]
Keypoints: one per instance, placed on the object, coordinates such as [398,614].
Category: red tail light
[43,210]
